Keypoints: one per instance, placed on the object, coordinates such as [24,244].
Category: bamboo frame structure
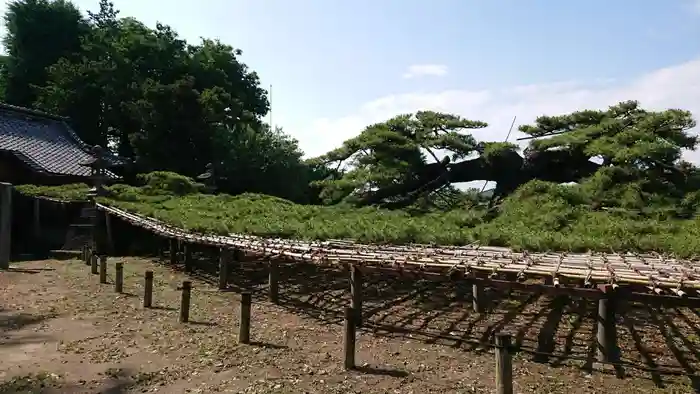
[657,273]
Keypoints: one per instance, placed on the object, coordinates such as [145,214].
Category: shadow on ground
[653,341]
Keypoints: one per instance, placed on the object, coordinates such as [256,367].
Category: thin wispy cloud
[423,70]
[695,6]
[670,87]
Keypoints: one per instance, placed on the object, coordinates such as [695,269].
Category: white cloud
[422,70]
[695,5]
[677,86]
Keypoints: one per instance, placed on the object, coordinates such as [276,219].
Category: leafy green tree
[639,152]
[3,75]
[263,160]
[398,160]
[39,33]
[135,88]
[624,156]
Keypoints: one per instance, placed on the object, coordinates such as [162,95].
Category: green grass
[537,217]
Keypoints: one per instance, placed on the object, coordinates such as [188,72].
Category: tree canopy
[146,93]
[623,156]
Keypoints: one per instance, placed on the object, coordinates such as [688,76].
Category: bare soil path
[63,332]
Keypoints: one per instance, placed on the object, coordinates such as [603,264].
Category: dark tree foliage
[623,156]
[146,93]
[39,32]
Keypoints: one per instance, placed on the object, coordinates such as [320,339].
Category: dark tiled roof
[44,142]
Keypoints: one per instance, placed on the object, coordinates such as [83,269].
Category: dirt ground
[63,332]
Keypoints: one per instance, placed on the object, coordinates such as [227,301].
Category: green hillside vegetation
[539,216]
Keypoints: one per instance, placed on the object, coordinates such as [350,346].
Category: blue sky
[336,66]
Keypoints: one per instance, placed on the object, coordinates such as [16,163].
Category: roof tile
[43,143]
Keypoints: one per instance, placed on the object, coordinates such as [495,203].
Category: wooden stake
[478,297]
[88,255]
[223,269]
[273,283]
[350,338]
[108,230]
[148,289]
[185,301]
[119,277]
[103,269]
[173,251]
[93,264]
[244,326]
[504,364]
[5,224]
[356,284]
[187,251]
[607,333]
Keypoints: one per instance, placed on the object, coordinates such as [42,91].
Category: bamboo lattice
[657,272]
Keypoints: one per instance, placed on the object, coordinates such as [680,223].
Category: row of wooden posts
[352,315]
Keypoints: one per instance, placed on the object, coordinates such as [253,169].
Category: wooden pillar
[5,224]
[607,331]
[504,364]
[37,220]
[350,338]
[108,229]
[224,256]
[103,269]
[94,264]
[244,326]
[148,289]
[460,289]
[173,251]
[478,300]
[273,281]
[356,285]
[99,231]
[119,277]
[185,301]
[187,256]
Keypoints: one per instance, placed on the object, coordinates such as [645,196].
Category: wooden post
[148,289]
[478,297]
[460,290]
[103,269]
[108,230]
[93,264]
[37,220]
[160,250]
[273,283]
[607,332]
[119,277]
[356,281]
[187,251]
[504,364]
[173,251]
[5,224]
[83,255]
[244,327]
[88,255]
[185,301]
[350,338]
[223,268]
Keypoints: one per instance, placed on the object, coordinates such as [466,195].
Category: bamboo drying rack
[658,273]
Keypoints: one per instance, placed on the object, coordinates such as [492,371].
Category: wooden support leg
[173,251]
[356,285]
[607,331]
[273,281]
[478,300]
